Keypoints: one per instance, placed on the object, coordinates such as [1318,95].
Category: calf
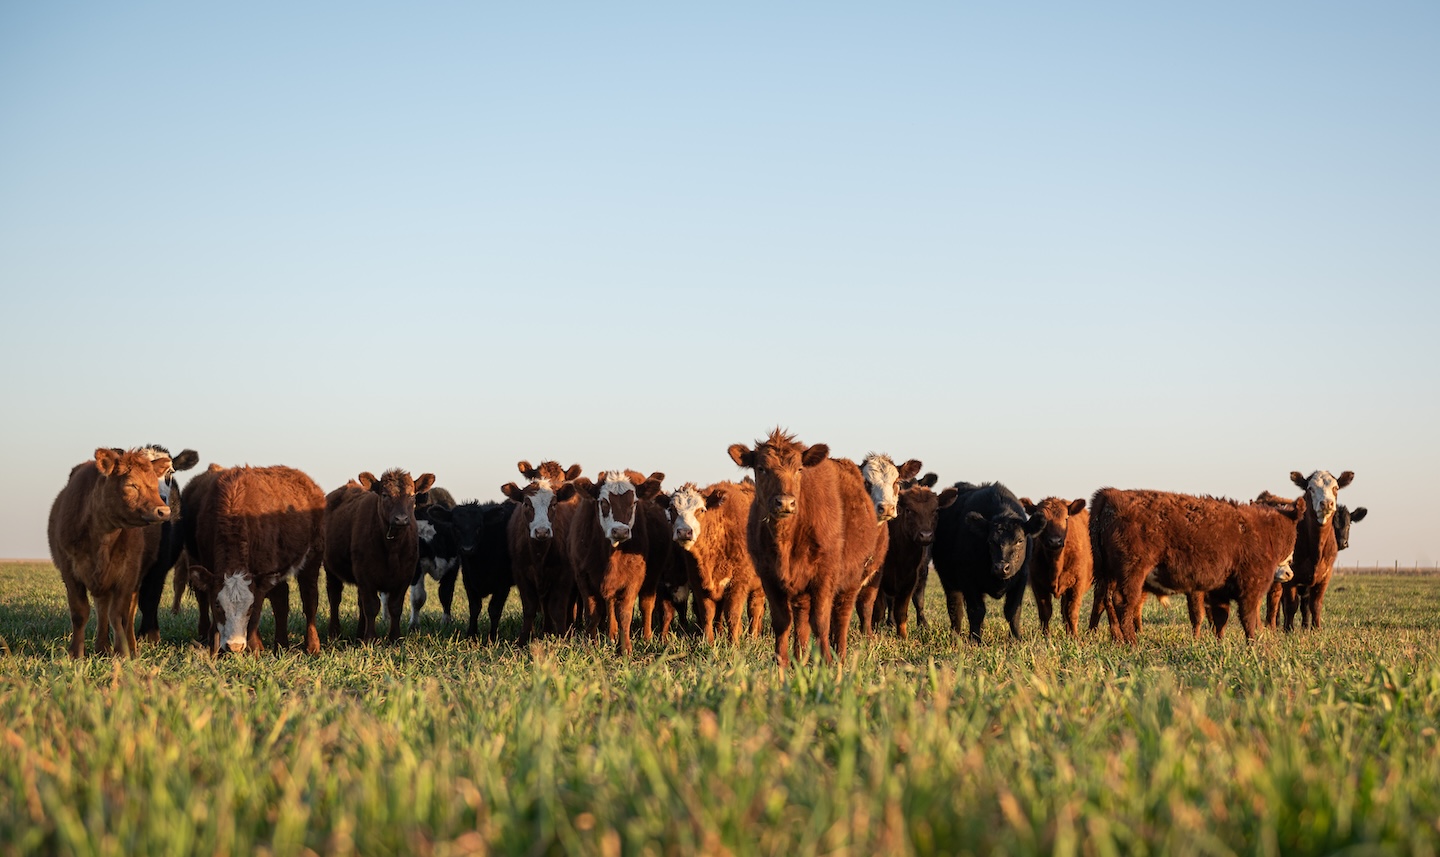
[260,528]
[981,550]
[479,531]
[97,532]
[439,557]
[619,547]
[163,543]
[1316,547]
[812,534]
[709,526]
[1182,543]
[539,560]
[912,532]
[1342,520]
[372,542]
[1061,564]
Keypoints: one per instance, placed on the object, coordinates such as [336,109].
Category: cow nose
[685,534]
[162,513]
[886,513]
[1054,542]
[400,520]
[619,533]
[540,533]
[236,646]
[926,537]
[784,505]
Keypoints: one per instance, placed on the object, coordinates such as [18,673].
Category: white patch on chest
[235,600]
[426,530]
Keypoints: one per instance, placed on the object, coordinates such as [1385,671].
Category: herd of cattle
[812,536]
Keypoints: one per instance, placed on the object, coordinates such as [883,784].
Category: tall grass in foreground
[1301,744]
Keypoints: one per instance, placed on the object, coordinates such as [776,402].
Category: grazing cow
[163,543]
[97,540]
[439,557]
[1061,564]
[812,534]
[981,550]
[372,542]
[1182,543]
[1316,547]
[709,526]
[1342,521]
[619,547]
[539,558]
[907,559]
[480,533]
[260,528]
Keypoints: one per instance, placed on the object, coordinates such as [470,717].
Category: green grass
[1304,744]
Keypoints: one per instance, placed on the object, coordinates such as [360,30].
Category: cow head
[534,501]
[1054,514]
[685,506]
[882,480]
[169,490]
[1320,490]
[617,498]
[1005,536]
[461,525]
[918,511]
[396,490]
[1343,519]
[130,482]
[1284,572]
[550,470]
[779,463]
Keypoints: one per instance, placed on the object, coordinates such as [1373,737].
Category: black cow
[478,531]
[980,550]
[1341,522]
[163,543]
[439,556]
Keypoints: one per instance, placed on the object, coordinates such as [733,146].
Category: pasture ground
[1309,743]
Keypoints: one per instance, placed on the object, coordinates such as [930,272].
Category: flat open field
[1302,744]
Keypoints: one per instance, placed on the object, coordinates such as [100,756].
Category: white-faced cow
[163,543]
[812,535]
[372,543]
[709,526]
[97,539]
[1061,565]
[260,528]
[1316,547]
[980,551]
[539,558]
[439,556]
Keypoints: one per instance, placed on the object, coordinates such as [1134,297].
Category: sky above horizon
[1063,247]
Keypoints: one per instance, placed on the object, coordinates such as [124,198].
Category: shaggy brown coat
[716,560]
[1061,565]
[97,540]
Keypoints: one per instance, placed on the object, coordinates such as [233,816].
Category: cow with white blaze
[709,526]
[540,563]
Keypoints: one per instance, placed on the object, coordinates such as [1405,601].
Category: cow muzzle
[619,533]
[783,506]
[1054,543]
[885,513]
[540,534]
[156,514]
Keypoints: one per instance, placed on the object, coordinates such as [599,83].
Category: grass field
[1305,744]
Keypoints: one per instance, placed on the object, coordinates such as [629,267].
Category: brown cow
[619,547]
[709,525]
[97,539]
[812,533]
[907,559]
[539,559]
[372,542]
[1182,543]
[1316,548]
[1061,564]
[259,528]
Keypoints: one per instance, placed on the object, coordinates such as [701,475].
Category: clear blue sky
[1059,245]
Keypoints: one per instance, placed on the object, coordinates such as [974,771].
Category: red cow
[97,539]
[1061,564]
[372,542]
[812,533]
[539,558]
[619,547]
[259,528]
[709,526]
[1180,543]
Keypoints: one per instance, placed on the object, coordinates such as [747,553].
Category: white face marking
[882,476]
[1284,572]
[616,486]
[688,504]
[235,599]
[540,501]
[1322,493]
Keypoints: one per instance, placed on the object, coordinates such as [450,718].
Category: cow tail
[1100,512]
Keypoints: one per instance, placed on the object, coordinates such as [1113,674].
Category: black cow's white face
[616,506]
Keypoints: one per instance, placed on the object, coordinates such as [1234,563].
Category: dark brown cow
[196,499]
[709,525]
[907,559]
[97,539]
[539,557]
[1061,564]
[372,542]
[619,547]
[1182,543]
[812,531]
[1316,548]
[260,528]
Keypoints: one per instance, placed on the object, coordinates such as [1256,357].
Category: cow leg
[309,584]
[280,609]
[1290,602]
[102,624]
[1220,617]
[1272,606]
[417,600]
[334,588]
[1126,600]
[1044,607]
[1070,610]
[734,606]
[865,604]
[1317,599]
[900,614]
[647,614]
[706,607]
[395,608]
[756,612]
[800,619]
[497,609]
[447,593]
[844,608]
[955,604]
[79,601]
[529,606]
[152,586]
[369,612]
[1100,602]
[1013,599]
[781,618]
[975,613]
[1195,607]
[625,616]
[561,610]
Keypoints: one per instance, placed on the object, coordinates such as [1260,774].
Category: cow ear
[1297,478]
[1030,508]
[201,578]
[1034,525]
[566,491]
[635,477]
[1297,511]
[650,487]
[512,491]
[909,469]
[741,454]
[187,459]
[590,489]
[1077,506]
[437,514]
[715,499]
[1358,514]
[1346,478]
[572,472]
[526,470]
[815,454]
[423,484]
[929,480]
[977,523]
[948,497]
[367,480]
[662,500]
[106,460]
